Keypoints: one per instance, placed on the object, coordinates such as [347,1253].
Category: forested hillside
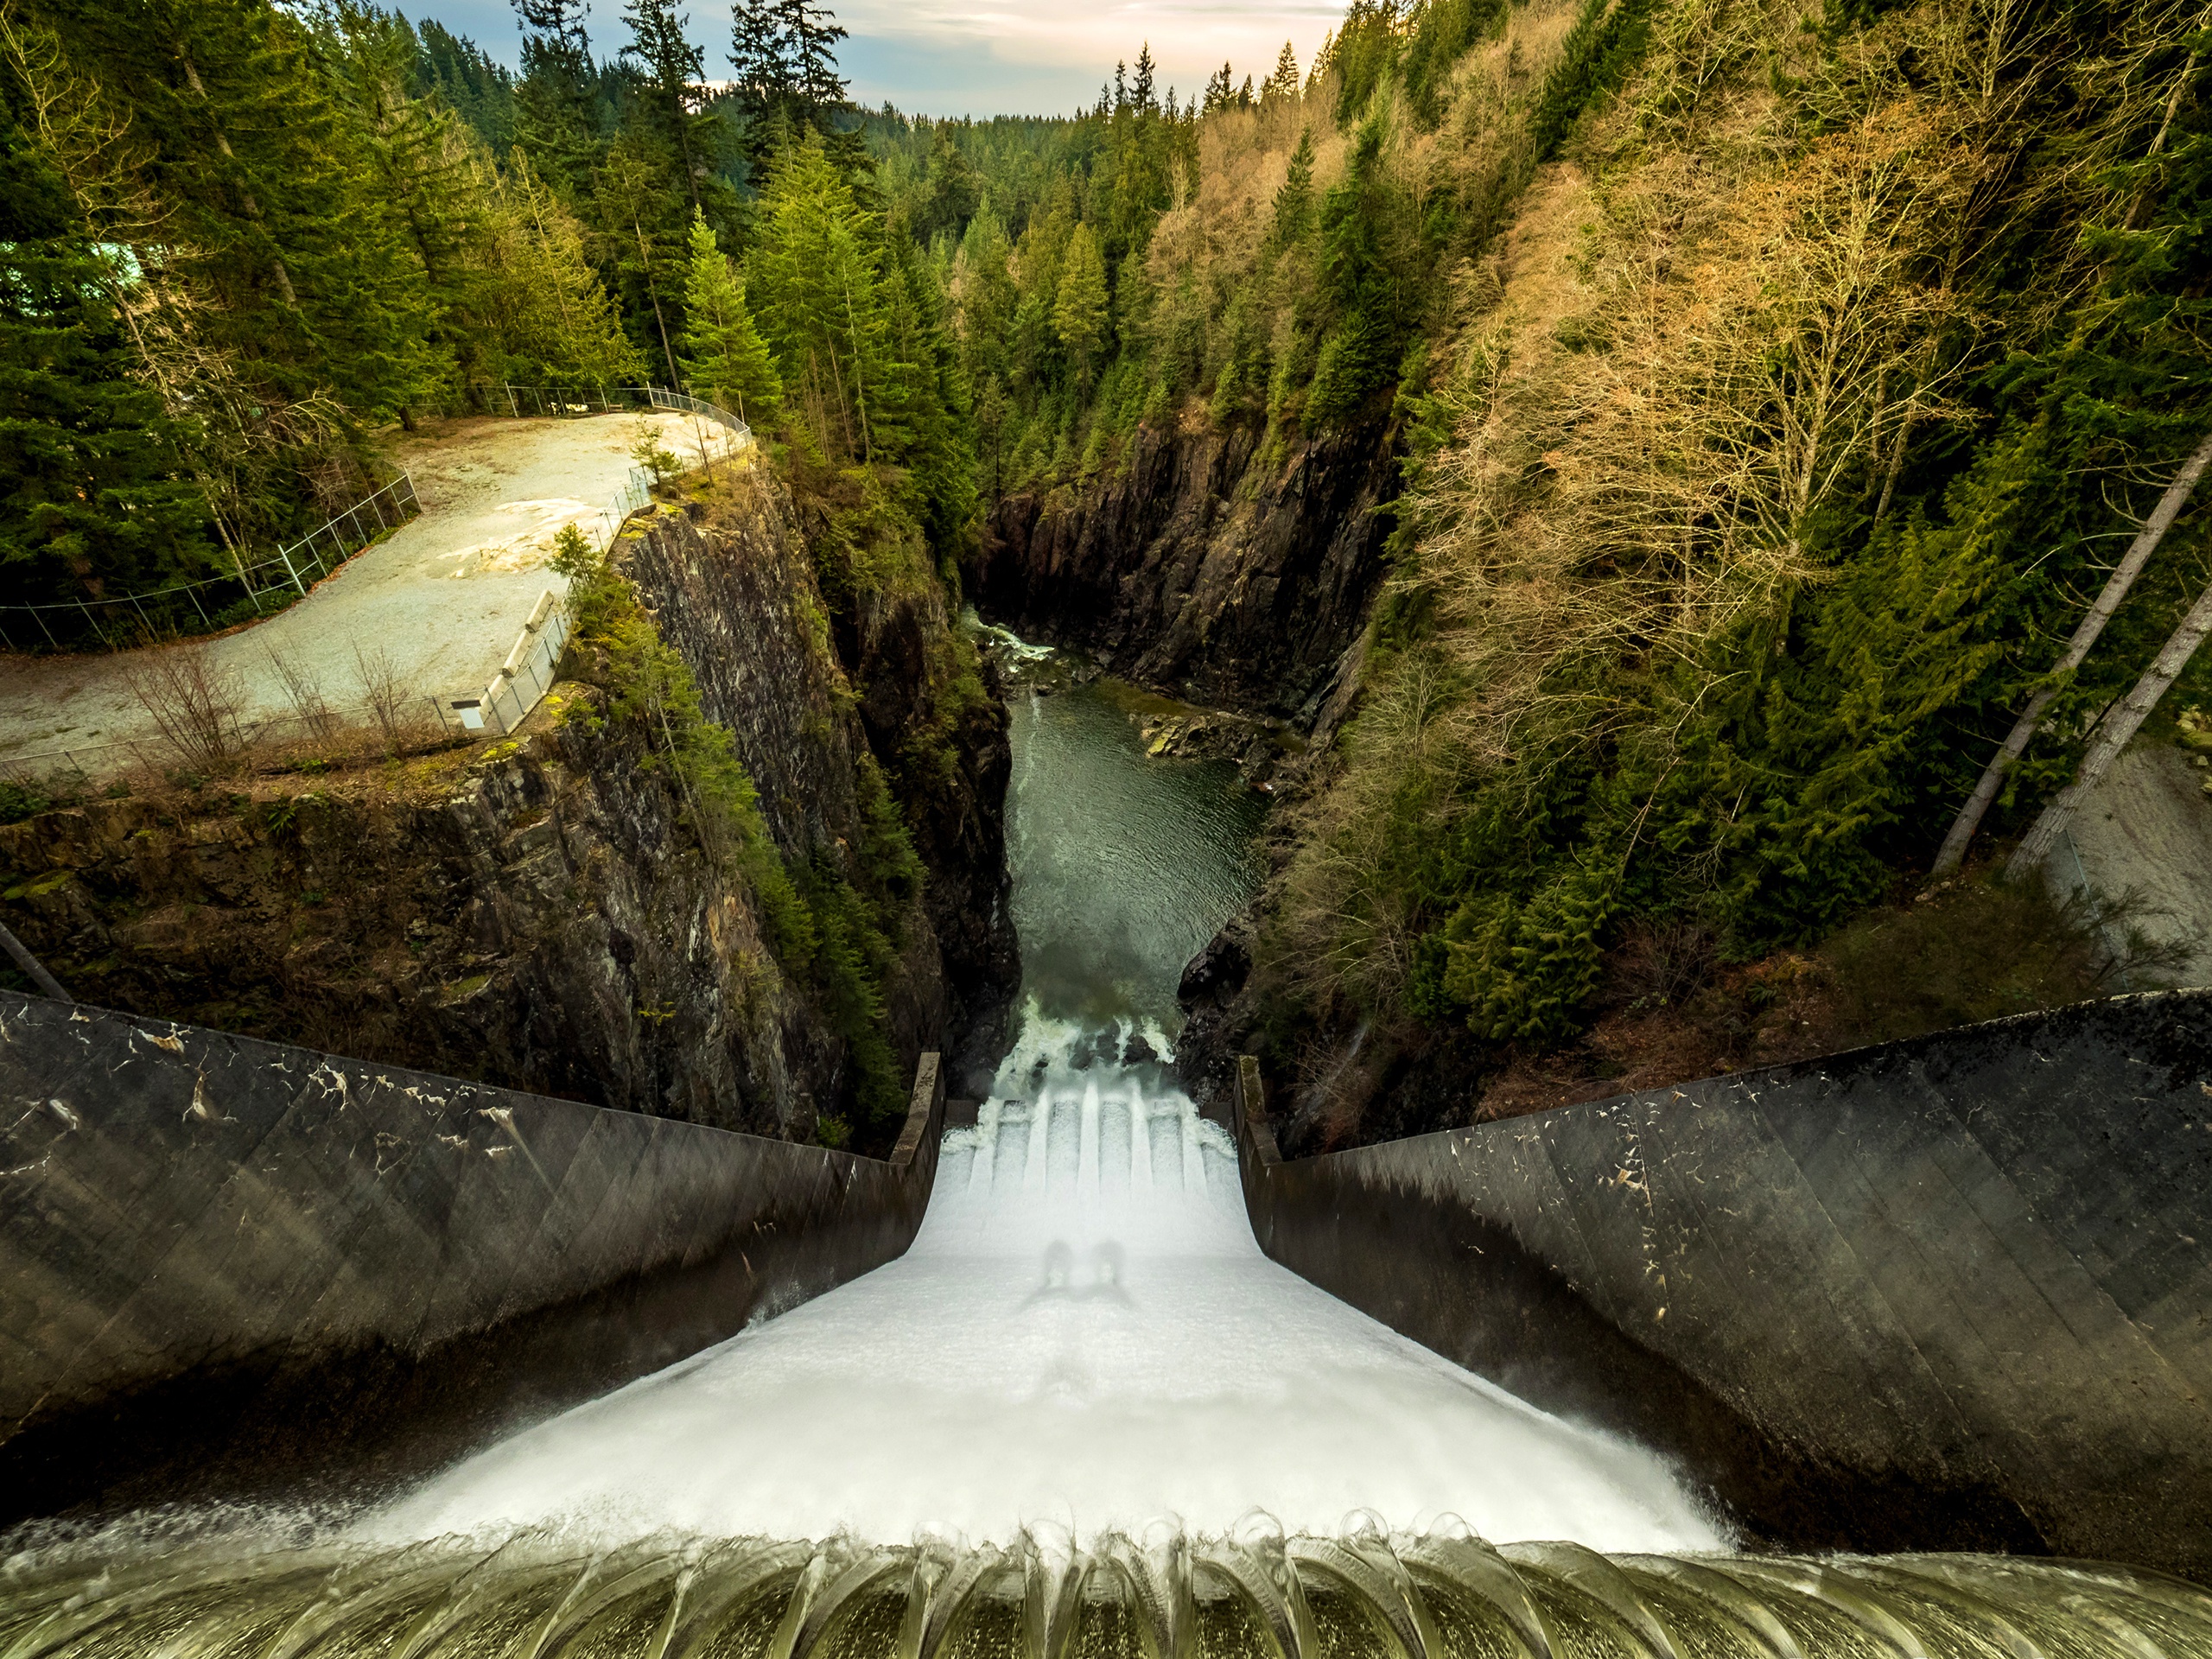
[1757,477]
[1771,392]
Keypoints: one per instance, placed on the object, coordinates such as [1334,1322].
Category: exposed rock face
[541,916]
[541,919]
[734,592]
[1237,581]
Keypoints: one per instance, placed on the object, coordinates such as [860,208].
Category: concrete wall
[1955,1291]
[229,1266]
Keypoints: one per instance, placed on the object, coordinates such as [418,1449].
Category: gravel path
[443,597]
[2146,830]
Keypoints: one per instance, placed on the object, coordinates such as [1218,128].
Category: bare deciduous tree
[305,696]
[2024,729]
[387,694]
[193,702]
[2119,724]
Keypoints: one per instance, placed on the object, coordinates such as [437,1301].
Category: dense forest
[1772,393]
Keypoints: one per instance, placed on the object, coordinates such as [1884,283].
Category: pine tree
[556,117]
[1294,200]
[95,497]
[811,33]
[556,324]
[729,362]
[669,66]
[815,285]
[1079,307]
[469,82]
[640,237]
[1283,83]
[274,331]
[419,164]
[1218,93]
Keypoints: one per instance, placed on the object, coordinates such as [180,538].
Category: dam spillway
[1085,1336]
[1082,1416]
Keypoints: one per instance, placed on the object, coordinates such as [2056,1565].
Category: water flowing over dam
[1083,1335]
[1081,1416]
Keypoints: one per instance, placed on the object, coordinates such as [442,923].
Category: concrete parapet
[1949,1293]
[230,1266]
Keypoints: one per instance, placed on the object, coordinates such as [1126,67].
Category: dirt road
[444,597]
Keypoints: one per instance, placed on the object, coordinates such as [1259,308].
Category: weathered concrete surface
[229,1266]
[2142,841]
[1954,1292]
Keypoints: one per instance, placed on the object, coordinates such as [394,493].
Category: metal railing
[314,556]
[523,680]
[570,402]
[686,404]
[560,401]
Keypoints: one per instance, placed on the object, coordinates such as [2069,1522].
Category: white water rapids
[1083,1336]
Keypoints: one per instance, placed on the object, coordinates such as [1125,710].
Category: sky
[984,57]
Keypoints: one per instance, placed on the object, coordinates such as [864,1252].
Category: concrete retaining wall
[1954,1293]
[229,1266]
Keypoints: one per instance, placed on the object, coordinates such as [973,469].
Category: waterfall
[1083,1335]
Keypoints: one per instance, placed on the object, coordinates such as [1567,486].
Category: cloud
[988,57]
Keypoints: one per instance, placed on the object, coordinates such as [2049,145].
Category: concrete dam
[1902,1353]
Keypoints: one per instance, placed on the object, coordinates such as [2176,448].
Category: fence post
[39,611]
[293,574]
[192,588]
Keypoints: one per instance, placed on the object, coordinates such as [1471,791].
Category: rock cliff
[807,686]
[1234,578]
[539,912]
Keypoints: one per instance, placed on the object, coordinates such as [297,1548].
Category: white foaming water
[1084,1335]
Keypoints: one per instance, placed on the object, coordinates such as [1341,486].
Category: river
[1081,1416]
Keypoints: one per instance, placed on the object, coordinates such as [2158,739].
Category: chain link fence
[214,602]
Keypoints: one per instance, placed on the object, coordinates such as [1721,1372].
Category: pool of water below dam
[1082,1416]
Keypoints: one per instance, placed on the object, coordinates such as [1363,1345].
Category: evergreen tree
[556,115]
[556,324]
[814,284]
[275,332]
[812,33]
[418,164]
[95,497]
[1079,307]
[469,82]
[669,66]
[728,364]
[1366,311]
[1283,83]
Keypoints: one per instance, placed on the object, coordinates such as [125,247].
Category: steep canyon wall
[1204,565]
[540,912]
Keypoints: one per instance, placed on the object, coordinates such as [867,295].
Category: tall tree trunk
[652,293]
[2024,729]
[2113,732]
[246,196]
